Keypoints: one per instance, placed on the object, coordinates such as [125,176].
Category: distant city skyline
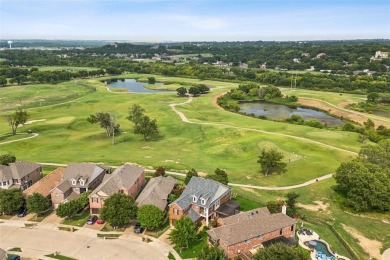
[196,20]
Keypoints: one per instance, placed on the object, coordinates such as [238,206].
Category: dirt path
[339,110]
[372,247]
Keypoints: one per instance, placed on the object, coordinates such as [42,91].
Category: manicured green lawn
[15,249]
[78,221]
[247,204]
[60,257]
[194,248]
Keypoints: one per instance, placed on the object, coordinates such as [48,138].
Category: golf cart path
[33,135]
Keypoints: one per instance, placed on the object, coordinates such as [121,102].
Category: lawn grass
[15,249]
[194,248]
[78,221]
[107,228]
[4,216]
[60,257]
[171,257]
[247,204]
[159,231]
[105,235]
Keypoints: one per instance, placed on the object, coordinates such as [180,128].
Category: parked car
[92,219]
[13,257]
[22,212]
[100,221]
[138,229]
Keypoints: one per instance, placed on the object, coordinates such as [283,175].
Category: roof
[228,208]
[206,189]
[44,185]
[194,216]
[156,192]
[86,171]
[64,186]
[123,177]
[17,170]
[249,225]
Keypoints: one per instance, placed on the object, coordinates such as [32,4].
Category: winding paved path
[21,139]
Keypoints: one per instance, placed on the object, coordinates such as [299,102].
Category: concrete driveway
[37,242]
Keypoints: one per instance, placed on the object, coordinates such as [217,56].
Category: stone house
[244,233]
[20,174]
[203,200]
[127,179]
[156,192]
[77,179]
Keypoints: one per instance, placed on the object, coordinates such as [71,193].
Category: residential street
[83,244]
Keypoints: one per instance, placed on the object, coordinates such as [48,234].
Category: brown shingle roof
[156,192]
[247,228]
[44,185]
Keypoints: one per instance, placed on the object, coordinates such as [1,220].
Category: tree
[189,175]
[203,89]
[183,233]
[20,117]
[181,92]
[271,161]
[151,80]
[160,171]
[146,127]
[69,209]
[220,176]
[373,97]
[369,124]
[194,91]
[280,251]
[105,121]
[212,253]
[150,217]
[274,206]
[7,159]
[291,201]
[10,200]
[135,114]
[119,210]
[3,81]
[37,203]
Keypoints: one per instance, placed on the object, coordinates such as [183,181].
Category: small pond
[135,86]
[281,112]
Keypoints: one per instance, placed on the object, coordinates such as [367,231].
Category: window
[292,228]
[74,182]
[281,232]
[82,182]
[4,183]
[95,199]
[57,195]
[217,203]
[175,211]
[203,201]
[194,198]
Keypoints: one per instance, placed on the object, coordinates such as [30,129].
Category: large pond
[135,86]
[282,112]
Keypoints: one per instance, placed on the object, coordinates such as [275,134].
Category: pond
[281,112]
[135,86]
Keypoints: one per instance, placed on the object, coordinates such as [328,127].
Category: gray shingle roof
[248,226]
[87,171]
[17,170]
[193,215]
[207,189]
[124,176]
[156,192]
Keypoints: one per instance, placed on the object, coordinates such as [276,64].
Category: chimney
[284,209]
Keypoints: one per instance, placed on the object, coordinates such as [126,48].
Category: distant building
[320,55]
[381,55]
[296,60]
[305,54]
[20,174]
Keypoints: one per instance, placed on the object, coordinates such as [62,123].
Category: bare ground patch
[214,99]
[319,205]
[372,247]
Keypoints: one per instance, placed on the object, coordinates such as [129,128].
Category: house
[320,55]
[381,55]
[156,192]
[77,178]
[127,179]
[202,201]
[305,54]
[297,60]
[244,233]
[20,174]
[46,184]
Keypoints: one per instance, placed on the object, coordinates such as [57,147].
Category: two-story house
[76,179]
[244,233]
[20,174]
[202,200]
[127,179]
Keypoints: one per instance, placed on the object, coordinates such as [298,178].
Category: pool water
[319,247]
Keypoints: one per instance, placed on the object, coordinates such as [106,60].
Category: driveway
[52,219]
[37,242]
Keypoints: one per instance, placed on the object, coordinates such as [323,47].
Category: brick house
[156,192]
[244,233]
[46,184]
[127,179]
[20,174]
[77,178]
[203,200]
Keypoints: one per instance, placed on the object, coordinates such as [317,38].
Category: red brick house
[127,179]
[203,200]
[76,179]
[46,184]
[244,233]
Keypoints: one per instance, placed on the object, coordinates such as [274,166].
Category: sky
[195,20]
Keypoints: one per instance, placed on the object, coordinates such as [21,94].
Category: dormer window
[82,182]
[74,182]
[194,198]
[203,201]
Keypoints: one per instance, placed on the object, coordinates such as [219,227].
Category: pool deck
[303,237]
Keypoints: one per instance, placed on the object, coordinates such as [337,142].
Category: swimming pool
[319,247]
